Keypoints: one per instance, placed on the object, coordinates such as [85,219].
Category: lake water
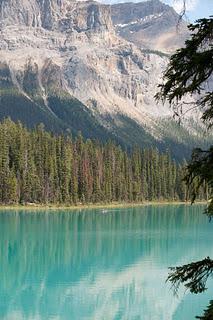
[100,264]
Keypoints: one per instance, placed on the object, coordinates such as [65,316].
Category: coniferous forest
[38,167]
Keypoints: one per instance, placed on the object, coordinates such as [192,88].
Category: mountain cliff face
[151,24]
[55,14]
[62,63]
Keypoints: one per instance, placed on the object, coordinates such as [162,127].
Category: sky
[195,8]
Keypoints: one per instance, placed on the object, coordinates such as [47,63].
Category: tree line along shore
[37,167]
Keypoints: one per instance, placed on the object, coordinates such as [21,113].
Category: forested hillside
[38,167]
[70,65]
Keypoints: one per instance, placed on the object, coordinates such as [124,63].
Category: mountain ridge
[156,26]
[69,52]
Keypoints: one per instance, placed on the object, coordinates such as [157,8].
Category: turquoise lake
[108,264]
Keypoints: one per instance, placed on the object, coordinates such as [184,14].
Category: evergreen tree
[37,167]
[188,72]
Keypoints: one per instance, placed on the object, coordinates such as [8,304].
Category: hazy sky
[195,8]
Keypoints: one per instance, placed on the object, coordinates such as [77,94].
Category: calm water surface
[100,264]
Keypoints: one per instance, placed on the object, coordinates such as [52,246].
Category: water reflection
[94,265]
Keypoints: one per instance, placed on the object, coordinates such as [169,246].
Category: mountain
[64,64]
[151,25]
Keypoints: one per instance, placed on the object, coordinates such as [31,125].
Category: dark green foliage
[194,275]
[200,172]
[37,167]
[188,72]
[128,134]
[62,113]
[189,69]
[208,312]
[20,108]
[77,117]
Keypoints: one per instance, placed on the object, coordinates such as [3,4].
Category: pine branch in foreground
[208,313]
[193,275]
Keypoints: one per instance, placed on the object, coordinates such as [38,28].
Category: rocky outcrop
[150,24]
[63,15]
[92,62]
[70,49]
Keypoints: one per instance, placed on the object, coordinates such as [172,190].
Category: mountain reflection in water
[86,264]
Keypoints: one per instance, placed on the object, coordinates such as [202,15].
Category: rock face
[93,64]
[151,24]
[67,67]
[55,14]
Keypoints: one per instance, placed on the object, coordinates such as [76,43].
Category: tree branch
[193,275]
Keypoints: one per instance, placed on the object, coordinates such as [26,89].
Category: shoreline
[113,205]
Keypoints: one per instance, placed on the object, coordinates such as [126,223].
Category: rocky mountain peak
[150,25]
[65,64]
[63,15]
[125,12]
